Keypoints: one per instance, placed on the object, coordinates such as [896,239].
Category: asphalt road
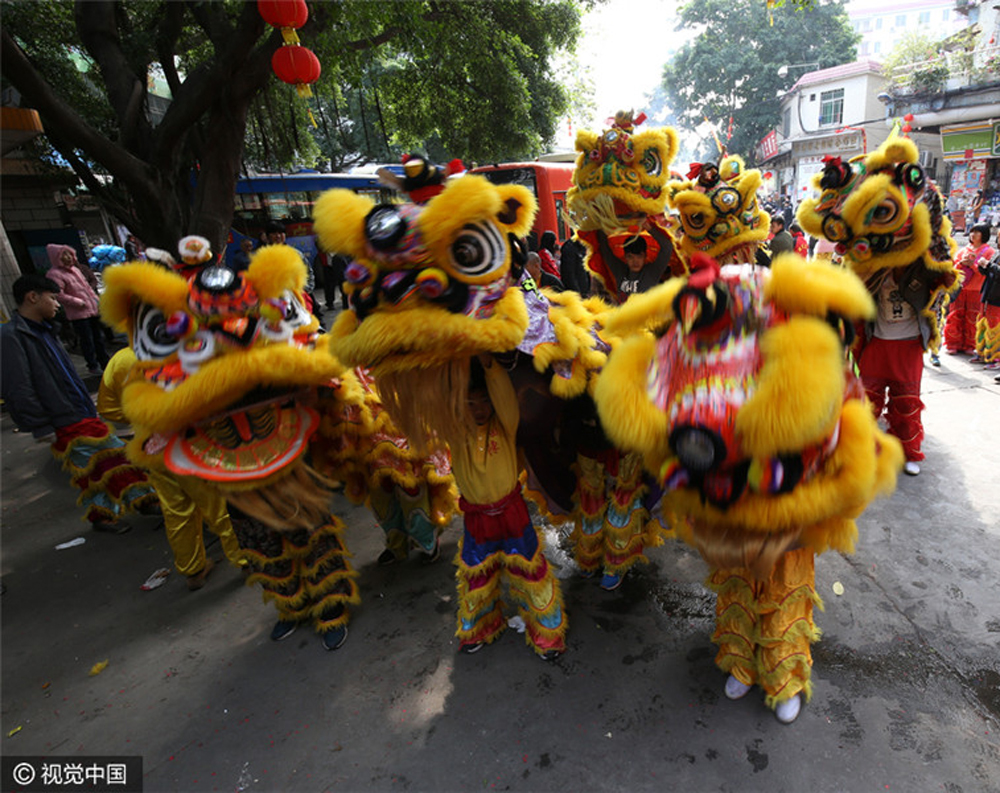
[907,675]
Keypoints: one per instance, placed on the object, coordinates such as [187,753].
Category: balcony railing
[948,71]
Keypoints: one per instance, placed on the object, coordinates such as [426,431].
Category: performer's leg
[182,521]
[389,514]
[536,591]
[626,518]
[588,540]
[327,578]
[787,629]
[988,334]
[480,614]
[418,526]
[213,509]
[736,623]
[86,338]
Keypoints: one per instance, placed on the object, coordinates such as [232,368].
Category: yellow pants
[764,628]
[186,503]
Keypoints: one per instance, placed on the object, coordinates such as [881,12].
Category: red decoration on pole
[296,66]
[908,117]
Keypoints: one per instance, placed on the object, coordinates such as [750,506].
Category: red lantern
[296,66]
[768,174]
[908,117]
[288,15]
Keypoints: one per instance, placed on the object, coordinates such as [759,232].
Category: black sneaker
[551,655]
[334,640]
[283,629]
[386,558]
[433,556]
[469,649]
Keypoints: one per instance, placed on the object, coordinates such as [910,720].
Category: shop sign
[969,141]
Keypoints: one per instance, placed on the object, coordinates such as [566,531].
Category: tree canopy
[469,79]
[730,69]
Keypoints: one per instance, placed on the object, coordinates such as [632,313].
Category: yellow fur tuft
[140,282]
[339,222]
[799,390]
[817,288]
[275,268]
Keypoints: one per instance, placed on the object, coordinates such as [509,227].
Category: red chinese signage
[768,147]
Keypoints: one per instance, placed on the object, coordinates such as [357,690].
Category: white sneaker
[788,711]
[735,689]
[911,468]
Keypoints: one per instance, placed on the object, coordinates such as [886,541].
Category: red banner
[768,146]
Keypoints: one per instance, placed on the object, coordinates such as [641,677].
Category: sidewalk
[907,674]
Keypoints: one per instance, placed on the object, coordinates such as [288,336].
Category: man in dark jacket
[45,396]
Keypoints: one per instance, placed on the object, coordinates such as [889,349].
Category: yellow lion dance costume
[433,286]
[886,218]
[743,406]
[230,388]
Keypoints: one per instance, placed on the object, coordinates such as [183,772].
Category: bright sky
[625,43]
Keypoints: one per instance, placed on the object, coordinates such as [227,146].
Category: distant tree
[474,75]
[731,68]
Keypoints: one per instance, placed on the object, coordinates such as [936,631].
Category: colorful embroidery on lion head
[620,175]
[222,359]
[719,213]
[881,210]
[744,408]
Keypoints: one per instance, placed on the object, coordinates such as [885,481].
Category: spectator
[331,268]
[240,260]
[781,240]
[45,396]
[547,253]
[963,313]
[801,246]
[574,274]
[533,266]
[79,300]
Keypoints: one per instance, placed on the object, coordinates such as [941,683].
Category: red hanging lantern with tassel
[298,66]
[288,15]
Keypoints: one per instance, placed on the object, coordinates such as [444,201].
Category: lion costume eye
[651,162]
[295,313]
[152,341]
[886,212]
[478,250]
[696,220]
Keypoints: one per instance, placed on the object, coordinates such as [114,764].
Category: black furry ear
[910,174]
[518,256]
[836,174]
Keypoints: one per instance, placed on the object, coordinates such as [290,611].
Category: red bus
[549,181]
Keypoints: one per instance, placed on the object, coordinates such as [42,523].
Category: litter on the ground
[97,668]
[157,579]
[71,543]
[16,730]
[838,588]
[516,623]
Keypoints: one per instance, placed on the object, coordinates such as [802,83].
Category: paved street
[907,675]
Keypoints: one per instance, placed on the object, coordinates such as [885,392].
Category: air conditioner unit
[927,159]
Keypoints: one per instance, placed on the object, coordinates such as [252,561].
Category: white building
[882,24]
[836,112]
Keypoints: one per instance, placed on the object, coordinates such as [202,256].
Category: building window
[945,14]
[831,107]
[924,18]
[901,21]
[863,49]
[878,23]
[877,47]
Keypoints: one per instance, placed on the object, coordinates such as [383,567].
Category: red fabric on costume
[85,428]
[891,372]
[503,520]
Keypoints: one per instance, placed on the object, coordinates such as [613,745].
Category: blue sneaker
[611,582]
[334,640]
[283,629]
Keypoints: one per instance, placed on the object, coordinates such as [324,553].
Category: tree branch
[57,114]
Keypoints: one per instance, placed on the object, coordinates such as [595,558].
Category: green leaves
[731,67]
